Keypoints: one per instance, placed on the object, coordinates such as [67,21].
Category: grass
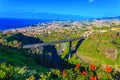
[92,50]
[102,28]
[118,57]
[20,58]
[94,47]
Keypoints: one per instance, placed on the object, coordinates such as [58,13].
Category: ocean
[11,23]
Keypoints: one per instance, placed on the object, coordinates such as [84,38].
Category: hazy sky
[74,7]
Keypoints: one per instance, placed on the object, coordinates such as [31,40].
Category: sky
[90,8]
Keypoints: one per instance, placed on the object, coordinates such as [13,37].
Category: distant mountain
[50,16]
[116,17]
[43,16]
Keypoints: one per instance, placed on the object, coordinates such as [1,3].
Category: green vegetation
[102,50]
[101,28]
[64,34]
[79,72]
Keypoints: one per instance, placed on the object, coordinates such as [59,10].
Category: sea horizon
[13,23]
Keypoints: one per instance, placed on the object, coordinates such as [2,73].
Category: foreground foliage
[81,71]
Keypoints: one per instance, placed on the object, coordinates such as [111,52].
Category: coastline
[14,23]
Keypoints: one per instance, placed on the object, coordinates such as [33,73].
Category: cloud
[91,1]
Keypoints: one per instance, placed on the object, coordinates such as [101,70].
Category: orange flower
[92,66]
[84,73]
[77,66]
[108,69]
[63,73]
[93,78]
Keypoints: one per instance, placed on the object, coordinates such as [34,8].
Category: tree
[16,44]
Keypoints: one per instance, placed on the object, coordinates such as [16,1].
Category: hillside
[99,50]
